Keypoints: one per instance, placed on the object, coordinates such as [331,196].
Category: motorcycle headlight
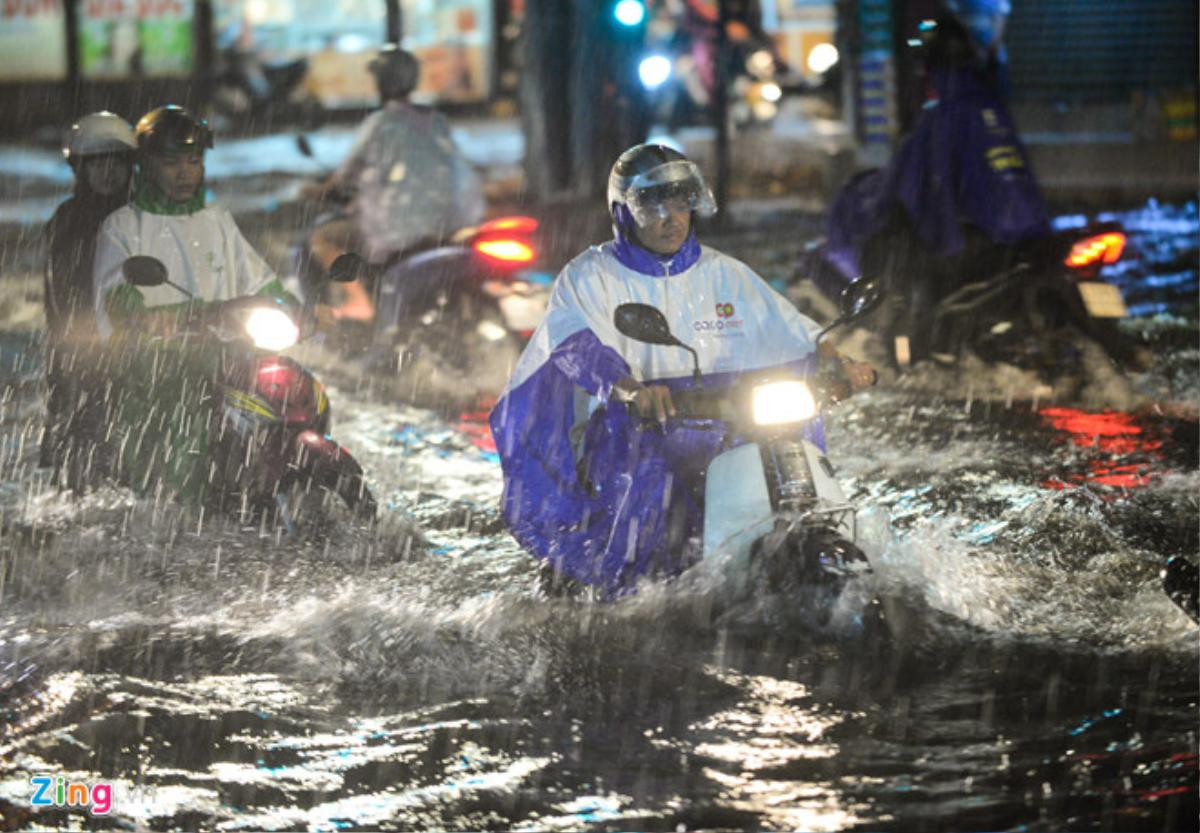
[781,403]
[271,329]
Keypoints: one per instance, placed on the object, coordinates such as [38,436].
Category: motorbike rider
[587,489]
[205,253]
[960,178]
[201,245]
[100,149]
[409,182]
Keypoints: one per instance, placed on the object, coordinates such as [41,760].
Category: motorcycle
[245,87]
[991,297]
[267,449]
[772,502]
[447,319]
[956,230]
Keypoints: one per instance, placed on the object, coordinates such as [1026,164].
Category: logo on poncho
[723,324]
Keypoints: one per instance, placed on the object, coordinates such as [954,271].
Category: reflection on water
[1127,451]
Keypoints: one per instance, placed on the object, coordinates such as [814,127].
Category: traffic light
[630,13]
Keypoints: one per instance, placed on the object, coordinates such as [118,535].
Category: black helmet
[396,71]
[646,176]
[172,129]
[944,42]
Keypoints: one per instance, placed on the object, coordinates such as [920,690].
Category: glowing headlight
[654,70]
[761,64]
[272,329]
[780,403]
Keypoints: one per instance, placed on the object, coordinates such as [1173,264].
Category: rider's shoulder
[123,217]
[587,263]
[711,258]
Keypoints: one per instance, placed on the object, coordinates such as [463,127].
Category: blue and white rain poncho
[585,486]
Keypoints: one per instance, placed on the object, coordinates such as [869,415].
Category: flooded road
[407,676]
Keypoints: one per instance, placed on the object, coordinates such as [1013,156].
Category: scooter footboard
[736,499]
[742,497]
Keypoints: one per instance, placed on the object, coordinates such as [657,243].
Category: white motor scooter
[771,501]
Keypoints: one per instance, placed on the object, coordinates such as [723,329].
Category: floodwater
[1033,676]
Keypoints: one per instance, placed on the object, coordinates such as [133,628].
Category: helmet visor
[673,186]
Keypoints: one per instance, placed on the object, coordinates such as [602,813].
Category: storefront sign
[122,39]
[33,44]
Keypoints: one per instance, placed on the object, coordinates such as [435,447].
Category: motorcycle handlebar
[829,385]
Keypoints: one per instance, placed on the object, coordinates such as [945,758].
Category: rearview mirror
[144,270]
[860,297]
[643,322]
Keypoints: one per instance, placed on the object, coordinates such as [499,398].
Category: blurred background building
[1126,69]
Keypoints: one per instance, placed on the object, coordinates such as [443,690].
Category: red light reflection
[475,425]
[1115,435]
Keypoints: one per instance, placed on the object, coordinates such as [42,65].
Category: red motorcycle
[265,419]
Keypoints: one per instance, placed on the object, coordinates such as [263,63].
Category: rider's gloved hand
[860,374]
[857,375]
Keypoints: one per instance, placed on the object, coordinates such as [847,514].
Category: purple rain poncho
[962,162]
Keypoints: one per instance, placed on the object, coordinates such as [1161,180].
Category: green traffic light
[630,12]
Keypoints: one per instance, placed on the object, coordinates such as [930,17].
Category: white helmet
[99,133]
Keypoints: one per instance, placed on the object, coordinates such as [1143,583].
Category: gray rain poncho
[410,181]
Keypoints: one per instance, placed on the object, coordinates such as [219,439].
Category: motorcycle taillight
[508,225]
[1099,249]
[505,251]
[505,241]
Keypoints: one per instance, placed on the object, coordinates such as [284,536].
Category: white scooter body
[737,506]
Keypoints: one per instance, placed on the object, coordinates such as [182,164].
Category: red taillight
[505,250]
[511,225]
[1100,248]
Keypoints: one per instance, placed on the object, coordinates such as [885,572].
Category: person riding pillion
[587,488]
[201,245]
[100,149]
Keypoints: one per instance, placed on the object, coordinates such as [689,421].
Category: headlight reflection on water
[774,728]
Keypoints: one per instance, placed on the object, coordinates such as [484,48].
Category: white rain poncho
[204,252]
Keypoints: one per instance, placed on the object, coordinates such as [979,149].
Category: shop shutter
[1100,50]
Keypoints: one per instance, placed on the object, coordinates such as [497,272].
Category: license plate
[1102,300]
